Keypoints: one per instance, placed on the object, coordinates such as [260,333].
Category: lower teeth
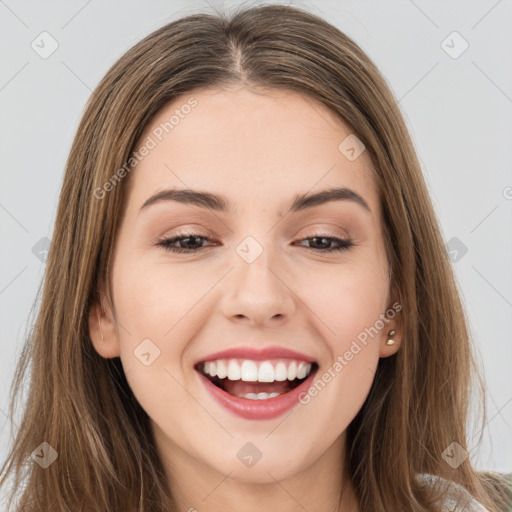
[258,396]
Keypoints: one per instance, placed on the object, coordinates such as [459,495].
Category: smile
[267,379]
[256,387]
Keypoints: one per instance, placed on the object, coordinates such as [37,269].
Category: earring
[390,341]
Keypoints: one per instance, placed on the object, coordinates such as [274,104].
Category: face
[289,302]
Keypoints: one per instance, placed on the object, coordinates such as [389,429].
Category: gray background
[458,111]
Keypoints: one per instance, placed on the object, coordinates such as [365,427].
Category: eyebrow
[220,203]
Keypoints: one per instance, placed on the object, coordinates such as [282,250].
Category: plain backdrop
[448,63]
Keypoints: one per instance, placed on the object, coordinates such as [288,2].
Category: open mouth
[256,380]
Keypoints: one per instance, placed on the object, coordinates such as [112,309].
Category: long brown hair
[81,404]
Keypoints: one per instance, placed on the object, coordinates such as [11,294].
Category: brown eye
[187,243]
[320,242]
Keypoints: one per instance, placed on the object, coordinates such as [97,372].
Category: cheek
[351,301]
[347,299]
[147,307]
[152,338]
[152,298]
[349,313]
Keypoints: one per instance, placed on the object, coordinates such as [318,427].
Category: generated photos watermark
[343,359]
[150,142]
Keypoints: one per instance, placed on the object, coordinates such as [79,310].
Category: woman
[247,302]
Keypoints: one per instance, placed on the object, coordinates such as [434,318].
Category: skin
[259,150]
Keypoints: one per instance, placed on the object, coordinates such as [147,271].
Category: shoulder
[457,499]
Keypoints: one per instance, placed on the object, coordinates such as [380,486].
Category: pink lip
[258,409]
[258,354]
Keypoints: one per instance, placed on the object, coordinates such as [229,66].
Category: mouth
[257,388]
[256,380]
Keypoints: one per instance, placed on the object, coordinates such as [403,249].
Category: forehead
[257,148]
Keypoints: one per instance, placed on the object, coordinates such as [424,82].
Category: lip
[266,409]
[257,354]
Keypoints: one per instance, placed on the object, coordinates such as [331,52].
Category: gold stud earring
[390,341]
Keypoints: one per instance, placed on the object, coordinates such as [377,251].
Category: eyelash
[166,243]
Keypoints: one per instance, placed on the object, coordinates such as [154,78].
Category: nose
[258,293]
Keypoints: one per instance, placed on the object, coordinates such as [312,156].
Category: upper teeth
[257,371]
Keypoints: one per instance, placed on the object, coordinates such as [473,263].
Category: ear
[391,325]
[102,328]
